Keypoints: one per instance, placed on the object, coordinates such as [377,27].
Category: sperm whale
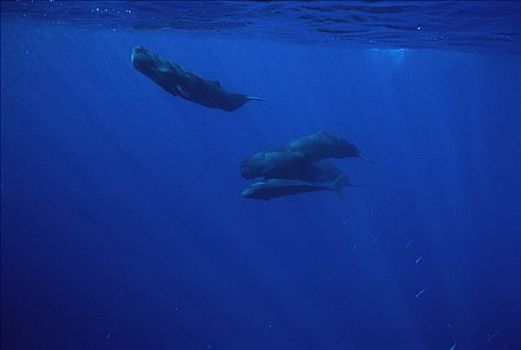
[187,85]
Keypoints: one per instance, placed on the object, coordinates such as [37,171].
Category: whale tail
[253,98]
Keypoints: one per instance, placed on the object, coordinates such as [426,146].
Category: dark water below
[122,223]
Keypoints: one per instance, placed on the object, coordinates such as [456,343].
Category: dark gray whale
[274,188]
[189,86]
[271,164]
[281,164]
[302,159]
[323,145]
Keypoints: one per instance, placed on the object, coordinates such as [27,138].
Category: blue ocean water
[122,221]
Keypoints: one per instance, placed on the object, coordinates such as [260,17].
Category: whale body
[323,145]
[274,188]
[302,159]
[187,85]
[271,164]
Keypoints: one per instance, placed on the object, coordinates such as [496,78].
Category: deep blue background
[123,226]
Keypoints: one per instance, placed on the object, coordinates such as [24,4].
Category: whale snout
[141,57]
[247,193]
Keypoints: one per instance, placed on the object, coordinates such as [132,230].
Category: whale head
[143,59]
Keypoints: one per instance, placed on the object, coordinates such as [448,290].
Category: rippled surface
[454,25]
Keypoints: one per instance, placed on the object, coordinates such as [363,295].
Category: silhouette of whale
[302,159]
[189,86]
[281,164]
[274,188]
[271,164]
[323,145]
